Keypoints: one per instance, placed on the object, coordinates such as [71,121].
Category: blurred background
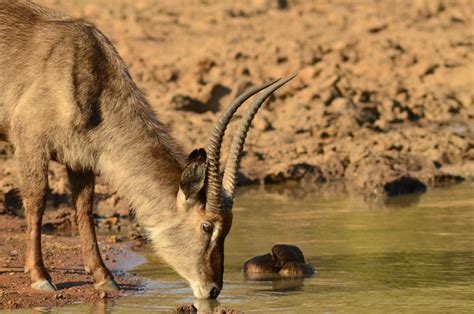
[384,89]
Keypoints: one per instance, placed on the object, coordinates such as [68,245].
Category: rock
[110,223]
[186,308]
[208,99]
[285,260]
[282,4]
[341,104]
[60,219]
[296,269]
[188,103]
[383,175]
[224,310]
[262,264]
[333,168]
[283,253]
[367,115]
[13,200]
[445,178]
[404,185]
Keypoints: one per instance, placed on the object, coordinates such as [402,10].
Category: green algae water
[412,254]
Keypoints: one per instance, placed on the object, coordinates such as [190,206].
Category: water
[415,254]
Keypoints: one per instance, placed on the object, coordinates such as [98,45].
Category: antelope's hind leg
[82,189]
[33,166]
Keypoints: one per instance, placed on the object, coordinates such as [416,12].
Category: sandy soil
[383,100]
[63,258]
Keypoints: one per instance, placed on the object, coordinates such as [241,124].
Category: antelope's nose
[214,293]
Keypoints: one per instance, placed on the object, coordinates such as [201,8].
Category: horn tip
[290,77]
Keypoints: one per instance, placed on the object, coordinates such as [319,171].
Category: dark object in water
[404,185]
[186,308]
[284,253]
[285,260]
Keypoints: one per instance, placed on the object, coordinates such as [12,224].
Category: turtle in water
[285,260]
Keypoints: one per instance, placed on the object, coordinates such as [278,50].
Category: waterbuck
[66,95]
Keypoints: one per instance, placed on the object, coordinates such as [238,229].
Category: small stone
[186,308]
[114,239]
[341,104]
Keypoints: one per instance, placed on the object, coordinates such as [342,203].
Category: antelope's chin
[202,291]
[199,292]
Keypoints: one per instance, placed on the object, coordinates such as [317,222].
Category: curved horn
[213,193]
[238,142]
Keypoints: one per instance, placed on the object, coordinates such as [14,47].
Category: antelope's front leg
[34,174]
[82,188]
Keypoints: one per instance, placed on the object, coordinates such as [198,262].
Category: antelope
[67,96]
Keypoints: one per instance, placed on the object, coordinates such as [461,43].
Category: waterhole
[411,254]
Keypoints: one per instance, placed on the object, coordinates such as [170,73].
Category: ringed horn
[221,191]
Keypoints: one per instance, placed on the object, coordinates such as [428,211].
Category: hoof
[107,285]
[43,285]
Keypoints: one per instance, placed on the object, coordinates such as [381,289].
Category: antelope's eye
[207,227]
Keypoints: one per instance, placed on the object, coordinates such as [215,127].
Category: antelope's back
[22,24]
[52,67]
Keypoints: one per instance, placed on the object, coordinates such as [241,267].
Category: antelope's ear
[194,175]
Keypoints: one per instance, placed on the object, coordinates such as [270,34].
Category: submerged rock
[261,264]
[186,308]
[285,260]
[296,269]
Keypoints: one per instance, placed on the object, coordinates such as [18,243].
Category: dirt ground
[384,88]
[63,258]
[383,100]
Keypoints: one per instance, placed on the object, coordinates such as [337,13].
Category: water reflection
[104,306]
[300,192]
[287,284]
[403,200]
[292,191]
[205,305]
[278,283]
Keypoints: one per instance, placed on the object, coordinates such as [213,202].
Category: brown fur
[66,95]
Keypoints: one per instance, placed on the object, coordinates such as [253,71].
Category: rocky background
[383,100]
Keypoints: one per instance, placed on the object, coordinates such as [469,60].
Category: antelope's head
[204,202]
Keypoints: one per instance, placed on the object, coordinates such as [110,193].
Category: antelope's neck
[140,159]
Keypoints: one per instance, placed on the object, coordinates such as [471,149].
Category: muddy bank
[380,83]
[62,256]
